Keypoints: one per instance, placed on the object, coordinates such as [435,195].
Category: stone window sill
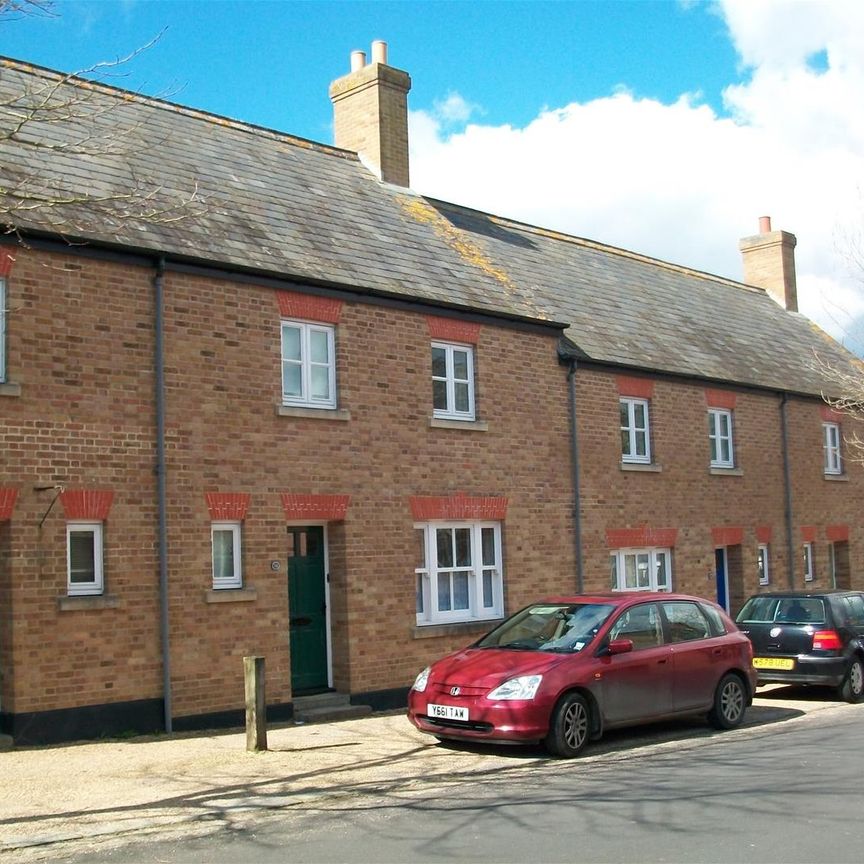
[230,595]
[464,425]
[429,631]
[638,466]
[837,478]
[726,472]
[95,601]
[313,413]
[10,389]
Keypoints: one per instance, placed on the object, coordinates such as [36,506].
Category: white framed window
[720,438]
[635,433]
[831,448]
[808,562]
[84,564]
[459,573]
[308,365]
[764,564]
[227,567]
[452,381]
[2,330]
[641,570]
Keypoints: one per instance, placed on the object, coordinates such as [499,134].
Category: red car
[563,670]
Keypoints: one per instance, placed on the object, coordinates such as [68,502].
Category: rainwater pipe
[787,483]
[574,463]
[159,366]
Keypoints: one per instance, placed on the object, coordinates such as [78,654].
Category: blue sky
[660,126]
[270,62]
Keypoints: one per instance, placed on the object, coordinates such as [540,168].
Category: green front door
[307,605]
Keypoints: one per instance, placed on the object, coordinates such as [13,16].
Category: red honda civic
[563,670]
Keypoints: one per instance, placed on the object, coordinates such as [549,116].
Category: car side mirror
[620,646]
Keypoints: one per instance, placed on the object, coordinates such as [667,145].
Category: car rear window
[783,610]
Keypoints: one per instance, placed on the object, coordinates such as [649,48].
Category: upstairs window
[452,381]
[308,365]
[641,570]
[635,434]
[720,438]
[831,448]
[227,570]
[84,558]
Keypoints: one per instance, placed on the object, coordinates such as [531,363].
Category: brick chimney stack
[370,114]
[769,263]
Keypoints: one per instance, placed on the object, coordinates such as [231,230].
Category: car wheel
[852,688]
[730,700]
[570,726]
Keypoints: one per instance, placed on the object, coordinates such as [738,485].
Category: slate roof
[270,203]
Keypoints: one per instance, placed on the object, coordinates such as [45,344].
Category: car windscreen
[561,628]
[783,610]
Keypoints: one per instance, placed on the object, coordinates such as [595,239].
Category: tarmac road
[202,794]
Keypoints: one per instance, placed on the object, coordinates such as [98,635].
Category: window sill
[429,631]
[87,601]
[836,478]
[230,595]
[727,472]
[10,389]
[465,425]
[639,466]
[313,413]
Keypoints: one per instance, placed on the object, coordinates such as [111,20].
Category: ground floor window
[459,574]
[641,570]
[84,558]
[807,562]
[763,565]
[227,572]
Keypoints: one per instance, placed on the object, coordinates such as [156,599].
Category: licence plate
[447,712]
[786,663]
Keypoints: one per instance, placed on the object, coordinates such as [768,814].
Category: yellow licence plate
[786,663]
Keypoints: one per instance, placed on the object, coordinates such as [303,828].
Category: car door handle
[717,652]
[664,660]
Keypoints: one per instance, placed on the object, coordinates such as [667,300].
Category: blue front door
[722,582]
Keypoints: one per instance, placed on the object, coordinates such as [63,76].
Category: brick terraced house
[259,397]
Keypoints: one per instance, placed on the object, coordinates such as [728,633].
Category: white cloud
[678,182]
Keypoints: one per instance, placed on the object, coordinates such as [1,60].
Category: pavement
[62,800]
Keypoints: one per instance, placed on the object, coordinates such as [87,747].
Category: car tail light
[826,640]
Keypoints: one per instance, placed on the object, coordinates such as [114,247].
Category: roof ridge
[75,79]
[505,221]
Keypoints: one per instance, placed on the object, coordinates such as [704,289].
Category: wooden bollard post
[256,703]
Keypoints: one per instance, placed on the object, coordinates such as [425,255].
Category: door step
[326,708]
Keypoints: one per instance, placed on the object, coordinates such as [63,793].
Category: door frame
[302,523]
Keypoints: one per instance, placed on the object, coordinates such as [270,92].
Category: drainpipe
[787,483]
[159,364]
[574,461]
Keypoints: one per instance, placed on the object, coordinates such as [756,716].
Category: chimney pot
[764,224]
[379,51]
[358,60]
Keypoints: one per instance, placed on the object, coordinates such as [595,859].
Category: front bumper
[516,721]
